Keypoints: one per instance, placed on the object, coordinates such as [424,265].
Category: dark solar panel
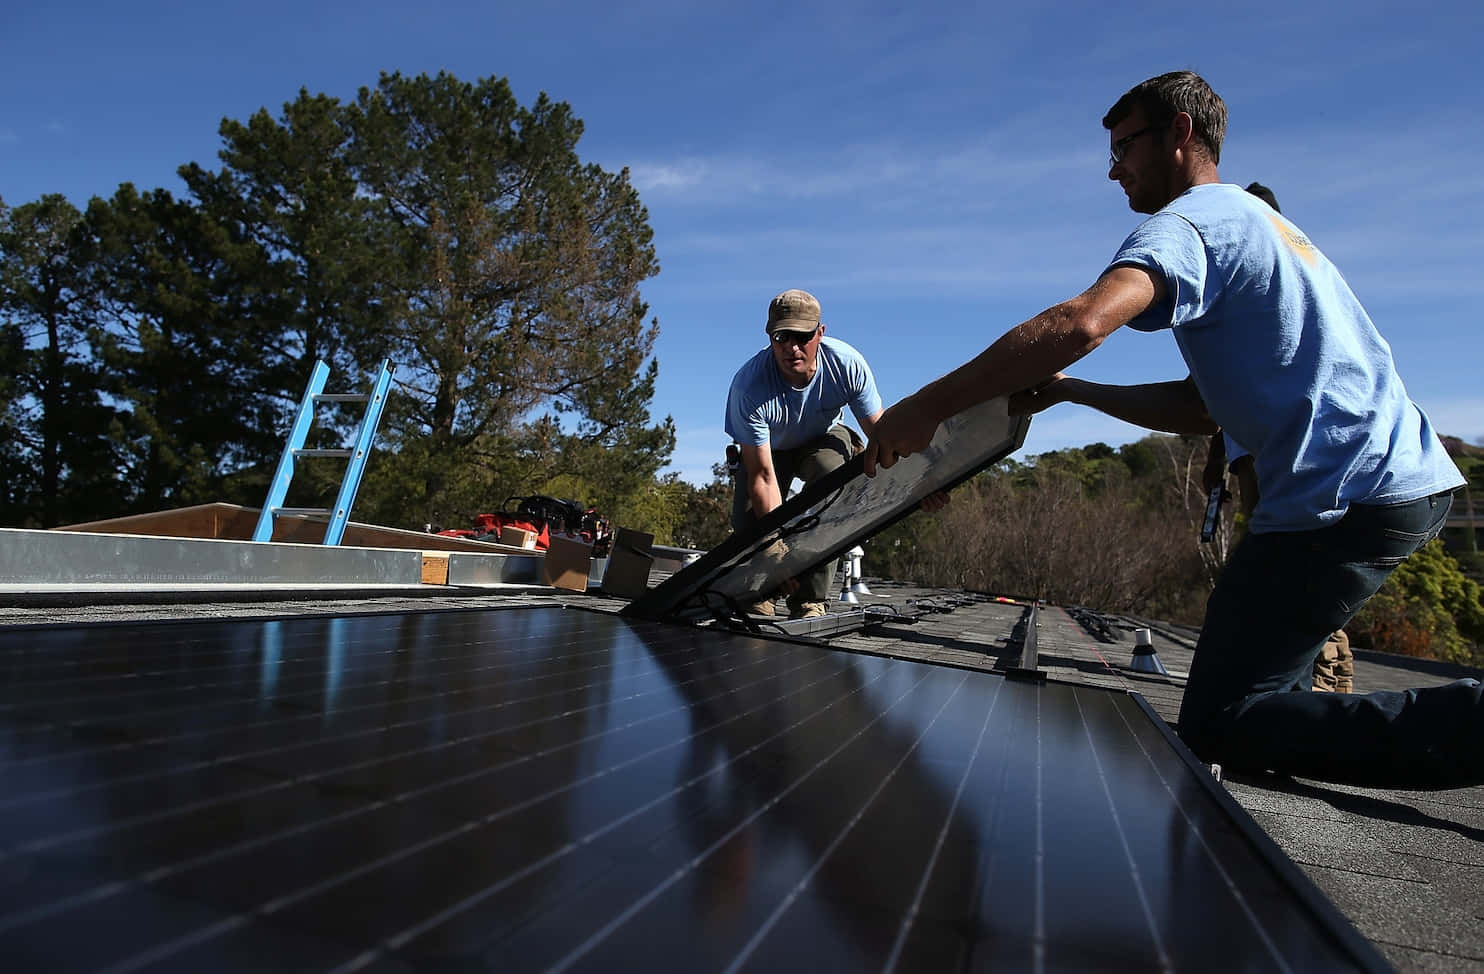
[552,789]
[833,514]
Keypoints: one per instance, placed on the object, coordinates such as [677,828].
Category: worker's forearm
[763,493]
[1024,356]
[1172,407]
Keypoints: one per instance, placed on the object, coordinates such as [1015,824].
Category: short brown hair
[1163,97]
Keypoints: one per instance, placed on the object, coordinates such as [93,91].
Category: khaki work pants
[1334,669]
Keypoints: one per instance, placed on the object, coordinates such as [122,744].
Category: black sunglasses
[793,337]
[1120,148]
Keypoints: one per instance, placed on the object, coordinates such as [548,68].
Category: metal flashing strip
[554,789]
[1030,642]
[1325,913]
[67,561]
[833,514]
[35,558]
[668,558]
[470,569]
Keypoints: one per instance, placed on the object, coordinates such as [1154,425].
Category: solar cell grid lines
[553,789]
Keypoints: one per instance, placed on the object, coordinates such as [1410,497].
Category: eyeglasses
[793,337]
[1120,148]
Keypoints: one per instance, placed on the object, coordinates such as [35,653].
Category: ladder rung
[354,456]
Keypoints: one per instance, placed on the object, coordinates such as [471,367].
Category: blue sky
[934,176]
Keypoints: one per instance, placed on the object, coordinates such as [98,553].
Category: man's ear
[821,329]
[1183,128]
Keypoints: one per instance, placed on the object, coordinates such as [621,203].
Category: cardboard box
[435,568]
[627,574]
[518,537]
[566,564]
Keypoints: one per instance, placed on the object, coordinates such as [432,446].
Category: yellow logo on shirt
[1297,242]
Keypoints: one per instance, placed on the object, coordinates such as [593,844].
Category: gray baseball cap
[793,310]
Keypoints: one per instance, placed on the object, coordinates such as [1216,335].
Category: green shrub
[1428,607]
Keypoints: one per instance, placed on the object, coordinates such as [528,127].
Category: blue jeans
[1247,704]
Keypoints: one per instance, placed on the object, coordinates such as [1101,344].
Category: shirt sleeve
[865,399]
[1168,245]
[744,424]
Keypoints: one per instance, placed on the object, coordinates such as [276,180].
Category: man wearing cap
[784,411]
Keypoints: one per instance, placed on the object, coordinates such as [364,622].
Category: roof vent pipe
[1145,659]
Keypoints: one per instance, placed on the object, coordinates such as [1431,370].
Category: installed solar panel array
[536,789]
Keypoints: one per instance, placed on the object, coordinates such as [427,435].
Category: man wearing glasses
[784,412]
[1284,358]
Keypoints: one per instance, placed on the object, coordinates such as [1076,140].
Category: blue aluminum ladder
[356,455]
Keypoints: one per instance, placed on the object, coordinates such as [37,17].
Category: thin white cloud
[942,174]
[881,257]
[729,179]
[972,215]
[663,177]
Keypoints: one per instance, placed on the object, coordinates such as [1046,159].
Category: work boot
[806,610]
[763,608]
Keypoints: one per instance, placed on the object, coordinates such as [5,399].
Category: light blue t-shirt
[1286,360]
[763,408]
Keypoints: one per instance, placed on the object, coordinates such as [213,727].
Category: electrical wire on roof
[1096,623]
[932,604]
[727,610]
[880,613]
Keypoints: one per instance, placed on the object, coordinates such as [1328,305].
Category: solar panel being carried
[831,515]
[551,789]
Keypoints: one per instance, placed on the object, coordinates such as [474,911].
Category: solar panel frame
[1298,883]
[722,572]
